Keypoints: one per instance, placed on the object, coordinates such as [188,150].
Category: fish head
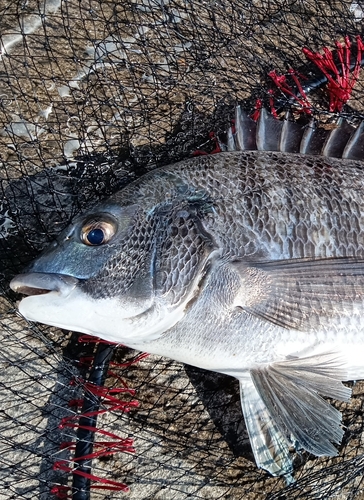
[124,273]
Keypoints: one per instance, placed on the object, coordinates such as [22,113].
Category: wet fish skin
[245,263]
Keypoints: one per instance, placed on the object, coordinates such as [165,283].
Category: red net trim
[108,402]
[341,78]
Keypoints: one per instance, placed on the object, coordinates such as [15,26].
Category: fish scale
[264,210]
[185,243]
[248,263]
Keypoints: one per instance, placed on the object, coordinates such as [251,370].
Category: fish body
[248,263]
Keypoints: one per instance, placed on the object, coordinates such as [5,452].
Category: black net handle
[85,438]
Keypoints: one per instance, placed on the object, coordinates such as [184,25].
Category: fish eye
[97,231]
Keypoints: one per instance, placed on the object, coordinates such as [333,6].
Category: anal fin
[270,447]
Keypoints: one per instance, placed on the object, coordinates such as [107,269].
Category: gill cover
[136,270]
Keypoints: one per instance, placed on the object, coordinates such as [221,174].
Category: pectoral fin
[301,294]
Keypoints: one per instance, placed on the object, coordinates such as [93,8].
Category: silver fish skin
[246,263]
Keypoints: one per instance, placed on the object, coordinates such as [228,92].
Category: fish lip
[43,283]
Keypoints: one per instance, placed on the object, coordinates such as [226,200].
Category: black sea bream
[248,263]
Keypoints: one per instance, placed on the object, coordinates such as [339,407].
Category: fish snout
[43,283]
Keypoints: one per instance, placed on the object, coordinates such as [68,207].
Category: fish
[247,262]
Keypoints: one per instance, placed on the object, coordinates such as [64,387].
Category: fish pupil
[95,237]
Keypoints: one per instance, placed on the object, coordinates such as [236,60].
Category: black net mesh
[92,95]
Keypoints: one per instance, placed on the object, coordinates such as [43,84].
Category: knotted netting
[92,95]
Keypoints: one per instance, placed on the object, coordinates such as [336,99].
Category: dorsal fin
[246,130]
[313,139]
[354,148]
[291,135]
[269,132]
[339,140]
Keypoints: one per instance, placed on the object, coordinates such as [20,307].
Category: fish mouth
[43,283]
